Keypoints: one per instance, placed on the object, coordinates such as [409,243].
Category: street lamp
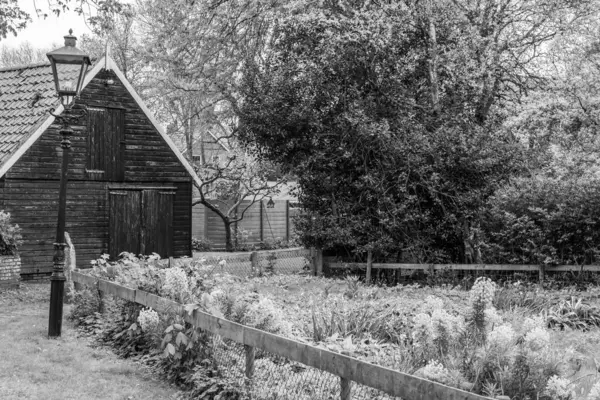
[68,87]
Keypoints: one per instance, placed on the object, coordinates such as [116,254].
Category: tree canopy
[411,126]
[393,115]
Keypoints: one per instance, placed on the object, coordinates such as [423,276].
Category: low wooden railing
[349,369]
[334,263]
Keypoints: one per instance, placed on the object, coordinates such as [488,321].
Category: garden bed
[477,340]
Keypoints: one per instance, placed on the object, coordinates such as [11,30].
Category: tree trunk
[433,60]
[228,241]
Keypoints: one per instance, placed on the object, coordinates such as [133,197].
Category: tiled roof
[26,95]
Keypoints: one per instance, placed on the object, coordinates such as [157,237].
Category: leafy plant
[271,262]
[573,313]
[209,383]
[201,244]
[10,235]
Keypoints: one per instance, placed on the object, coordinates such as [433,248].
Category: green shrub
[10,235]
[201,244]
[542,220]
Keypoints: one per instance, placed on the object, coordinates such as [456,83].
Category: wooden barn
[129,188]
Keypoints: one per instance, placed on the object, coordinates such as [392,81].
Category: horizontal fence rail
[496,270]
[332,262]
[349,369]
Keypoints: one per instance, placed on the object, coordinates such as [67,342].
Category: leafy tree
[24,54]
[391,115]
[193,52]
[560,121]
[230,187]
[98,13]
[12,18]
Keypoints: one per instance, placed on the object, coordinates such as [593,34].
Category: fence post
[319,262]
[369,266]
[542,273]
[249,363]
[254,264]
[346,390]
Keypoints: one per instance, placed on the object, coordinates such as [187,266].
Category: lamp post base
[57,291]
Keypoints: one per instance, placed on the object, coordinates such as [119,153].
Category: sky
[46,33]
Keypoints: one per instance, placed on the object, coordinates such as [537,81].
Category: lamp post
[68,89]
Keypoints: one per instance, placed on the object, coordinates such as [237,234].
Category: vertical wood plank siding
[182,219]
[276,223]
[31,185]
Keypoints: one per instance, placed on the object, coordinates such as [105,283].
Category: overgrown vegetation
[494,340]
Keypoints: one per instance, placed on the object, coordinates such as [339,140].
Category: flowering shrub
[482,291]
[501,337]
[176,285]
[148,320]
[558,389]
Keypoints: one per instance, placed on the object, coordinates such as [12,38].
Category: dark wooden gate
[141,222]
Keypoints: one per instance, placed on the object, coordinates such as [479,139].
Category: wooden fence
[349,369]
[260,223]
[542,270]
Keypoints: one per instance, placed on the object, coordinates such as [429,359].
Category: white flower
[148,319]
[435,371]
[222,263]
[422,324]
[537,339]
[443,321]
[501,336]
[491,318]
[482,291]
[433,303]
[531,323]
[265,315]
[558,389]
[176,283]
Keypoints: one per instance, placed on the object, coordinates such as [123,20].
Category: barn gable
[122,167]
[27,93]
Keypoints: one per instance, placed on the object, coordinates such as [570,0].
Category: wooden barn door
[157,230]
[141,222]
[125,222]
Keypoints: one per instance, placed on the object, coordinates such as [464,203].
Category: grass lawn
[35,367]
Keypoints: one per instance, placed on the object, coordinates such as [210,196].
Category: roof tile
[18,89]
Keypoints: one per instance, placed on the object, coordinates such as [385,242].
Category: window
[106,143]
